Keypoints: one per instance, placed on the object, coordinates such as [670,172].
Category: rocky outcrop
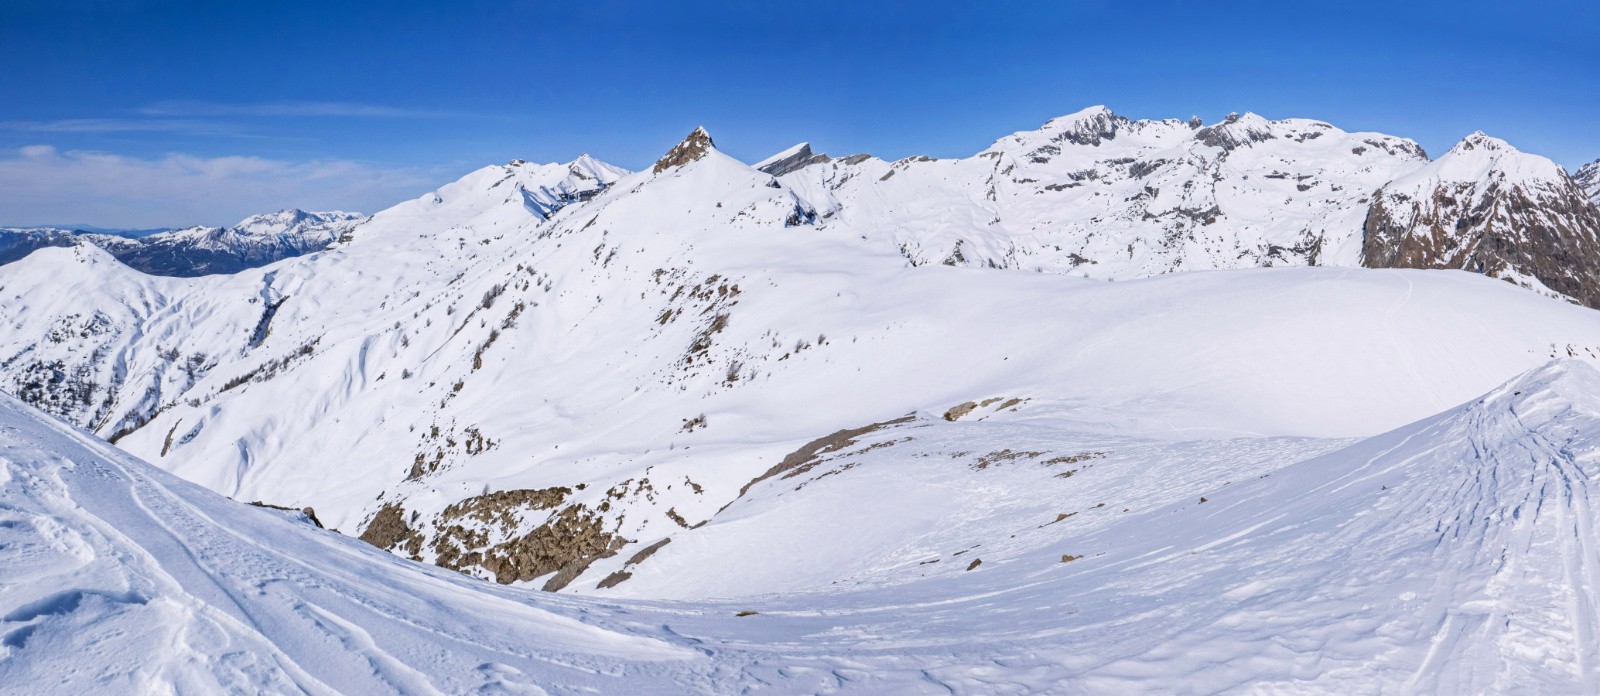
[1236,131]
[791,160]
[484,535]
[693,147]
[388,528]
[1588,178]
[1487,208]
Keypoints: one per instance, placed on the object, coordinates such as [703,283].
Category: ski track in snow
[1451,556]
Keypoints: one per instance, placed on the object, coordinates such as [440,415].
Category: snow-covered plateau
[1112,406]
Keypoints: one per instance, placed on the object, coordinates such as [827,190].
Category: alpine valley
[1255,405]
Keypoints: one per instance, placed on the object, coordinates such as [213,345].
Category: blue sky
[150,112]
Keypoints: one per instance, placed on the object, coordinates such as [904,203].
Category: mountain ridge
[505,376]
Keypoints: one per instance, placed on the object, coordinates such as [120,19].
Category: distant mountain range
[1096,194]
[194,251]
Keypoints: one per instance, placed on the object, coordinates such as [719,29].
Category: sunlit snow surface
[1057,483]
[1452,555]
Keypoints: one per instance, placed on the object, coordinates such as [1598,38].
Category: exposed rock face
[791,160]
[1091,126]
[810,454]
[1487,208]
[1236,131]
[387,528]
[484,535]
[693,147]
[1588,178]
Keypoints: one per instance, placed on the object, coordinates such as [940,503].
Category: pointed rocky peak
[693,147]
[288,221]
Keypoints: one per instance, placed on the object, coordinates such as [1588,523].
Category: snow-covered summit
[1479,157]
[1487,207]
[539,189]
[1090,126]
[293,220]
[292,229]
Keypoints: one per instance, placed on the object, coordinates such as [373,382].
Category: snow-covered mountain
[1488,208]
[1452,555]
[841,393]
[256,241]
[1097,194]
[194,251]
[542,368]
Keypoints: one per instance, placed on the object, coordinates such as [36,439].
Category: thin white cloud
[124,125]
[44,185]
[288,109]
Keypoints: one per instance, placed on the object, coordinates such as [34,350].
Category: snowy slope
[540,368]
[1453,555]
[121,578]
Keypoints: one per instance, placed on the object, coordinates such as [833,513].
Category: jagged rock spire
[693,147]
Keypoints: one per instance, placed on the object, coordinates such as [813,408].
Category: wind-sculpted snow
[1454,555]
